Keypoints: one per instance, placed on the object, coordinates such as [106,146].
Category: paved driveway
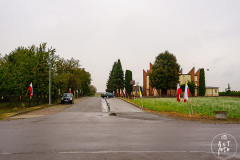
[86,131]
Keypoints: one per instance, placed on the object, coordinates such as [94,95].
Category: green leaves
[128,78]
[165,70]
[25,65]
[116,77]
[202,86]
[191,87]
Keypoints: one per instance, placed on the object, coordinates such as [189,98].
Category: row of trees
[229,92]
[116,80]
[25,65]
[164,76]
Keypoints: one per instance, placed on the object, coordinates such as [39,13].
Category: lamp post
[49,63]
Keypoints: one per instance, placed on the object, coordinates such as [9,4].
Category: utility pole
[49,80]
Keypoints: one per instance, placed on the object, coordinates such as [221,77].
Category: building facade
[147,88]
[212,91]
[192,76]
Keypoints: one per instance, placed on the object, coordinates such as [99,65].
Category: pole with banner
[186,95]
[140,93]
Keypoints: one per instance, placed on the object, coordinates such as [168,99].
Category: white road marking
[104,105]
[5,153]
[102,152]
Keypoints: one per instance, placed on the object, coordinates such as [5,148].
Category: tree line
[31,64]
[164,76]
[117,81]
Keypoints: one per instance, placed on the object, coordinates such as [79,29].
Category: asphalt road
[86,131]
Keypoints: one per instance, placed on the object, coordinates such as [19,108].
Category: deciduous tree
[165,72]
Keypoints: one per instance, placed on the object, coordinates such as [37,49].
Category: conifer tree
[202,86]
[128,78]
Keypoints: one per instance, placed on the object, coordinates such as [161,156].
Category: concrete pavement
[84,131]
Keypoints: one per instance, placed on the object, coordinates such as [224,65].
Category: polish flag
[30,88]
[186,92]
[179,91]
[124,91]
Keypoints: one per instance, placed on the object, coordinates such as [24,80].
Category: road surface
[86,131]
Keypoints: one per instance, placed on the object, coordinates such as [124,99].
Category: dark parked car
[107,95]
[67,97]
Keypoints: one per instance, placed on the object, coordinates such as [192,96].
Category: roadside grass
[97,95]
[205,105]
[7,110]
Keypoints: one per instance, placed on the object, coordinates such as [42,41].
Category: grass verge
[202,106]
[5,112]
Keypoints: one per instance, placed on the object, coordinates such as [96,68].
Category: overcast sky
[200,33]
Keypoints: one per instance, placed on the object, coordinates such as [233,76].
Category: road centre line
[104,105]
[6,153]
[102,152]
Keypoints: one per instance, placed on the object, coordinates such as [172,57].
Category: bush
[230,93]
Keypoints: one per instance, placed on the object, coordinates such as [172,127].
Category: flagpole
[191,106]
[195,106]
[189,110]
[140,94]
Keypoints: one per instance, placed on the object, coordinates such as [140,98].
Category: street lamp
[49,63]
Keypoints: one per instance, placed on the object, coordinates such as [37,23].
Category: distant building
[147,89]
[135,91]
[212,91]
[192,76]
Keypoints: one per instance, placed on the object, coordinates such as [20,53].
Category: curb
[131,103]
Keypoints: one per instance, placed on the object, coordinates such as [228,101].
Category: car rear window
[67,95]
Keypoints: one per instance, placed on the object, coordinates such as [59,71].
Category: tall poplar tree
[202,86]
[128,78]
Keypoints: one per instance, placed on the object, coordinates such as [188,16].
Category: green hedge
[231,93]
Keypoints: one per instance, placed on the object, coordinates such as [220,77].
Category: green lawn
[6,110]
[205,105]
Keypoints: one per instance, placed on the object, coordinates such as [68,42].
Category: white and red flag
[30,88]
[124,91]
[179,91]
[186,92]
